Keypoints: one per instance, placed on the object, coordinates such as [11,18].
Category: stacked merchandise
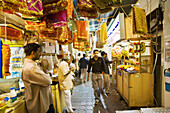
[6,54]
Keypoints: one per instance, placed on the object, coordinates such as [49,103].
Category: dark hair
[79,54]
[31,47]
[95,50]
[103,53]
[84,55]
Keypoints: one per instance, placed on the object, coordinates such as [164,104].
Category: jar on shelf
[13,95]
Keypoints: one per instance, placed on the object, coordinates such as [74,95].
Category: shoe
[73,108]
[96,102]
[84,81]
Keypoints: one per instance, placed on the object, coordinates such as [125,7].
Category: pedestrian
[65,81]
[77,64]
[98,67]
[83,67]
[38,94]
[106,74]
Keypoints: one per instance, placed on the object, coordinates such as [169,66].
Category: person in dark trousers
[83,67]
[98,68]
[106,74]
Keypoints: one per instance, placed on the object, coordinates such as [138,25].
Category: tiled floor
[84,101]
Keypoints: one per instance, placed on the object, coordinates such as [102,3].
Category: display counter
[57,98]
[136,89]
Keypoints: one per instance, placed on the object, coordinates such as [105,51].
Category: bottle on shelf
[22,91]
[18,92]
[13,95]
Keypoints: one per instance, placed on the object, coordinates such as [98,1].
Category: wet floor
[83,100]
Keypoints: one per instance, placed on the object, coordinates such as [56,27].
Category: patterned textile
[82,30]
[70,9]
[11,33]
[139,20]
[35,7]
[87,8]
[33,26]
[100,40]
[54,6]
[58,19]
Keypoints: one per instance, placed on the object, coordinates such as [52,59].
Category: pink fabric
[38,5]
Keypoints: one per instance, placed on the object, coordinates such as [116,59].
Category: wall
[166,35]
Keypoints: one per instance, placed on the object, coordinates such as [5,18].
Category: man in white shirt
[65,81]
[37,83]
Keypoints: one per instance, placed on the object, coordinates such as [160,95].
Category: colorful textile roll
[82,30]
[139,20]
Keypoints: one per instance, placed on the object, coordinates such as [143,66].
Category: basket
[2,109]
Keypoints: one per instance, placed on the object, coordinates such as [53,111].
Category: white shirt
[64,81]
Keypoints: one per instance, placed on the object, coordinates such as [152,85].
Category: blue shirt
[83,62]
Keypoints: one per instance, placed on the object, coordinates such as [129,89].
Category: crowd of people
[37,78]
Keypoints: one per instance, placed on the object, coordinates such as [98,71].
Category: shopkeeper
[37,83]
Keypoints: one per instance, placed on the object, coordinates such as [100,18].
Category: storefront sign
[116,30]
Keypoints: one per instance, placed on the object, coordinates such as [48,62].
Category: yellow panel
[119,81]
[53,88]
[126,85]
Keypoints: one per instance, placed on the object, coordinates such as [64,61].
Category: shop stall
[133,67]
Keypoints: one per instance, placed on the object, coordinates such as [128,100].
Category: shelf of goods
[135,83]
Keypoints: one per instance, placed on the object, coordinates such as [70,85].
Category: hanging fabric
[139,20]
[103,32]
[58,19]
[70,9]
[54,6]
[82,30]
[35,7]
[87,8]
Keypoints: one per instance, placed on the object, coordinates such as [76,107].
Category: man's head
[67,59]
[32,50]
[44,64]
[79,54]
[102,53]
[84,55]
[95,52]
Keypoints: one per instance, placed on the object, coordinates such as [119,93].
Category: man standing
[37,84]
[65,81]
[106,74]
[98,67]
[83,67]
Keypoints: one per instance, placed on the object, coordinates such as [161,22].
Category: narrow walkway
[83,100]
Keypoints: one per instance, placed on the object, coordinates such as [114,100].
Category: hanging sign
[116,31]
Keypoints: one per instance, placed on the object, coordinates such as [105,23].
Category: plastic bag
[6,84]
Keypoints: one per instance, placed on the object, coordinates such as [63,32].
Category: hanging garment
[106,10]
[58,19]
[102,4]
[82,30]
[139,21]
[54,6]
[70,9]
[103,32]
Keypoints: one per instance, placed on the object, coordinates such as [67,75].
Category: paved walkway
[84,101]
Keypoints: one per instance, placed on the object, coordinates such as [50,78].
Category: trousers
[106,82]
[97,80]
[67,99]
[83,74]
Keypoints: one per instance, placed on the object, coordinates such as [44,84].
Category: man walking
[37,84]
[106,74]
[98,67]
[65,81]
[83,67]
